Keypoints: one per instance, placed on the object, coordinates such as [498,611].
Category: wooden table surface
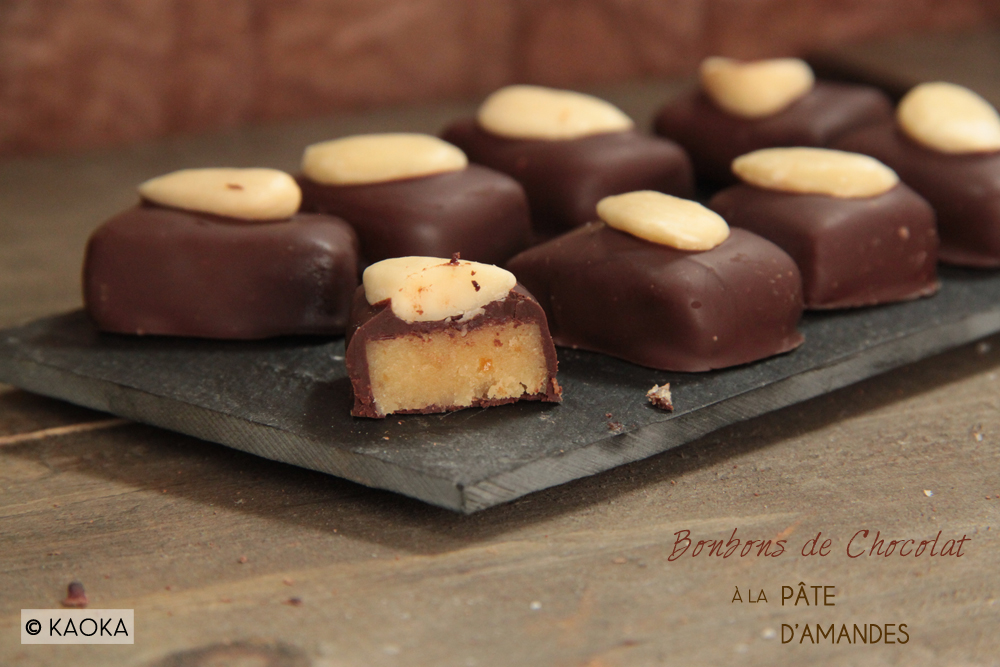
[228,559]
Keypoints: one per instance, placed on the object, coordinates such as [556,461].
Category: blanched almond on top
[757,88]
[818,171]
[430,289]
[535,112]
[246,194]
[949,119]
[664,219]
[378,158]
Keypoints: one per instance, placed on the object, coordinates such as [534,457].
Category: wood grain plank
[381,577]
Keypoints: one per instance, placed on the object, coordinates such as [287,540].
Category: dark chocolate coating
[608,291]
[964,190]
[153,270]
[851,252]
[714,138]
[565,179]
[378,322]
[477,212]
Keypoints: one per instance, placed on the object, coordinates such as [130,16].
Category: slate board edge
[602,455]
[224,429]
[662,436]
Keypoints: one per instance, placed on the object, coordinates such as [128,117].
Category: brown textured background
[84,73]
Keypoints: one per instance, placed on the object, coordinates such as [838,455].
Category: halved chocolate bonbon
[433,335]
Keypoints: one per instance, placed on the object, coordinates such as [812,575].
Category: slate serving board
[289,399]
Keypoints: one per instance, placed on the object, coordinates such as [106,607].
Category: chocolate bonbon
[566,173]
[714,137]
[963,187]
[154,269]
[432,335]
[858,236]
[608,291]
[428,204]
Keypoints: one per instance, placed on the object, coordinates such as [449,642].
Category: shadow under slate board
[289,399]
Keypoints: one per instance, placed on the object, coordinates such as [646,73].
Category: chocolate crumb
[556,389]
[234,186]
[294,602]
[476,285]
[660,397]
[76,597]
[454,258]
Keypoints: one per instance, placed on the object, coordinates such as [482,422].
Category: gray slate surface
[289,399]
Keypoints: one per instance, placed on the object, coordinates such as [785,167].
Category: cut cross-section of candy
[433,335]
